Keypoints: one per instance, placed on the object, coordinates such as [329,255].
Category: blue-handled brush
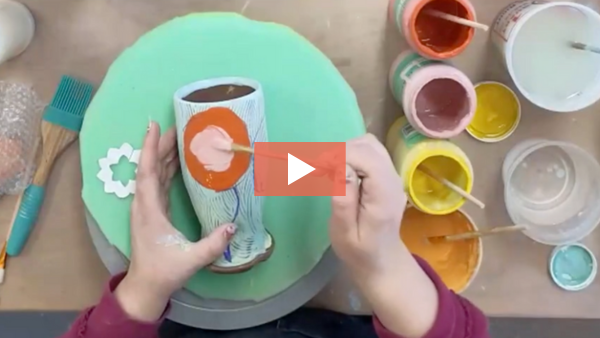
[60,127]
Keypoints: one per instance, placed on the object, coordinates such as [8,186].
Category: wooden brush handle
[464,194]
[55,140]
[482,233]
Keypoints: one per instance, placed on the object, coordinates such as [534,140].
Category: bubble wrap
[20,117]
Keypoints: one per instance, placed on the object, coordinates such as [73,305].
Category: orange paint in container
[430,36]
[457,263]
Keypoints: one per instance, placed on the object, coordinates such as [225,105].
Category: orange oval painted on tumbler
[236,128]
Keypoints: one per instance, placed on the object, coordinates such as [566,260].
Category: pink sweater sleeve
[456,317]
[107,319]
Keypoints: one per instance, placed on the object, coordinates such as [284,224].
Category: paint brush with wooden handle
[246,149]
[452,186]
[3,261]
[456,19]
[585,47]
[476,234]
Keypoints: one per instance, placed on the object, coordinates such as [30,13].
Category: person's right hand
[365,224]
[365,234]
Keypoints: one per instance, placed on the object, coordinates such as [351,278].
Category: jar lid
[573,267]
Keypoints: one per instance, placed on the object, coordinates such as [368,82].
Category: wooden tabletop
[59,269]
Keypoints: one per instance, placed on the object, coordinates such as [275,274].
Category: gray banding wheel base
[192,310]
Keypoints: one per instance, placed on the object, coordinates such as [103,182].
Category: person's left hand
[162,259]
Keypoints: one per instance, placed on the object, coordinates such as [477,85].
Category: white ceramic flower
[112,186]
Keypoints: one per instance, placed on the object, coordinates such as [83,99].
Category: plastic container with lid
[554,189]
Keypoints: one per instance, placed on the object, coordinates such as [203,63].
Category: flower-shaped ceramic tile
[112,186]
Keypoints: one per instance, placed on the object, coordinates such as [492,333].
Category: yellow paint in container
[410,149]
[497,114]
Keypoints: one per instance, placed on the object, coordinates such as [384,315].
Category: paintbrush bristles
[241,148]
[585,47]
[74,97]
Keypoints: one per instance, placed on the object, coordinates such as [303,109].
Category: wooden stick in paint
[476,234]
[452,186]
[456,19]
[245,149]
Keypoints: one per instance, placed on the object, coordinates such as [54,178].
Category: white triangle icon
[297,169]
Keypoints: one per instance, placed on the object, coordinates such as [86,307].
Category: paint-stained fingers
[211,247]
[168,144]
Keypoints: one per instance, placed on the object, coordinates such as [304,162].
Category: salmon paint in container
[438,100]
[430,36]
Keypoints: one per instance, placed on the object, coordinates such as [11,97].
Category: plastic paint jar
[410,149]
[498,112]
[534,40]
[553,188]
[438,100]
[573,267]
[457,263]
[16,29]
[433,37]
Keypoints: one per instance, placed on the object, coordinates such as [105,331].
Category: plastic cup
[553,188]
[543,35]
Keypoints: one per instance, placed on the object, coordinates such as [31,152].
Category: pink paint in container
[438,100]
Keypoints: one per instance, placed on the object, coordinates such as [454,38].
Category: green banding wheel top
[306,100]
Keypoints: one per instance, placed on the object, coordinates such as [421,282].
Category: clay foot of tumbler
[247,266]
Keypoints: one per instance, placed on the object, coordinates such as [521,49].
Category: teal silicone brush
[60,127]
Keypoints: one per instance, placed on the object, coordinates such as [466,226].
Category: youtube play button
[297,169]
[313,165]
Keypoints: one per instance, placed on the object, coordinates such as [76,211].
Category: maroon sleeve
[456,317]
[107,319]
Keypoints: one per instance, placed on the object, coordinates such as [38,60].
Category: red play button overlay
[311,168]
[297,169]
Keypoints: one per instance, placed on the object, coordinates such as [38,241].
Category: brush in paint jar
[435,28]
[457,263]
[412,151]
[535,39]
[583,46]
